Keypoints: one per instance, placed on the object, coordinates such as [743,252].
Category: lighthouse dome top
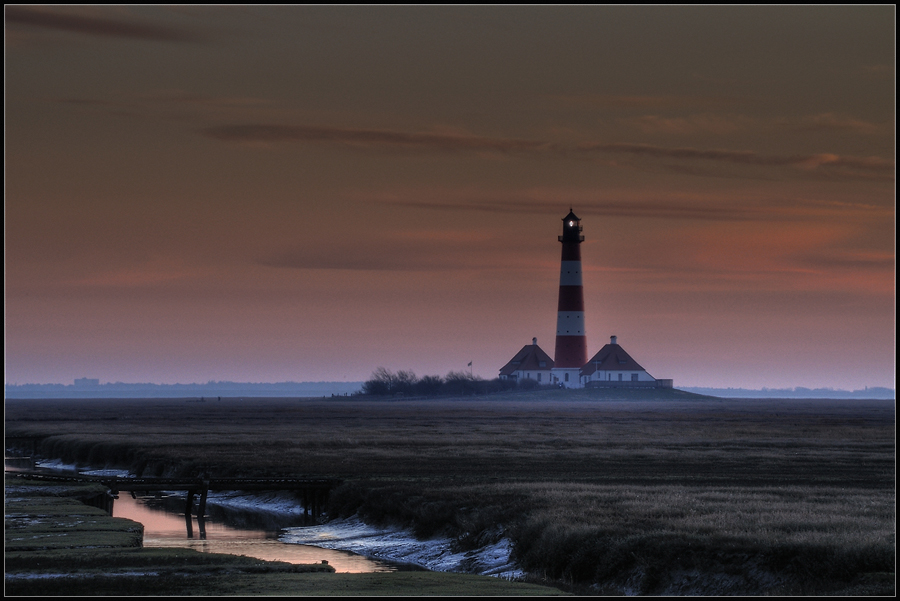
[571,217]
[571,228]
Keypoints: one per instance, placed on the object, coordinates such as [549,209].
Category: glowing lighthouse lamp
[571,342]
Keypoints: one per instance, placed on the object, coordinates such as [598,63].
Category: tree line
[384,382]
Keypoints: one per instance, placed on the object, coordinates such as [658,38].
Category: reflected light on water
[166,529]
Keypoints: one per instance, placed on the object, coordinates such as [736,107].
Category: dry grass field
[643,492]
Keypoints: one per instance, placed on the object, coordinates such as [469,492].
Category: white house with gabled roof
[530,363]
[613,367]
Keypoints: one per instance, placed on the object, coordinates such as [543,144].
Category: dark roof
[529,358]
[611,357]
[571,215]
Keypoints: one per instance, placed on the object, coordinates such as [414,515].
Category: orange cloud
[830,166]
[787,256]
[831,121]
[147,274]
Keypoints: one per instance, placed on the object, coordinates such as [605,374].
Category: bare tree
[381,382]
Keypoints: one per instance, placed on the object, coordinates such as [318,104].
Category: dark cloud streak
[268,134]
[644,209]
[96,26]
[641,209]
[824,165]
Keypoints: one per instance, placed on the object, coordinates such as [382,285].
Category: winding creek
[164,527]
[249,530]
[273,527]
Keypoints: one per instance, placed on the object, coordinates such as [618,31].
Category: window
[539,376]
[620,377]
[634,377]
[567,376]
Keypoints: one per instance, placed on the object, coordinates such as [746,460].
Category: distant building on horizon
[570,367]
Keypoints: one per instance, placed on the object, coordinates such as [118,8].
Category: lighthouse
[612,367]
[571,342]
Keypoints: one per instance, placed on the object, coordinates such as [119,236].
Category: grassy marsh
[630,491]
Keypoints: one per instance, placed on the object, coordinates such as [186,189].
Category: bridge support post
[201,510]
[188,508]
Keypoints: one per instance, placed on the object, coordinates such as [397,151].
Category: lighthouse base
[567,377]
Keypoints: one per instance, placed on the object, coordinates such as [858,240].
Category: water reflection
[164,528]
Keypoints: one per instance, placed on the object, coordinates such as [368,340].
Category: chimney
[534,341]
[612,340]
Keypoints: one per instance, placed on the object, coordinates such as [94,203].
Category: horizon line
[351,382]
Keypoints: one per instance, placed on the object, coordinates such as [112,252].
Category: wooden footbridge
[312,492]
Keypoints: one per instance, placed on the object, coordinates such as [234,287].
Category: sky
[308,193]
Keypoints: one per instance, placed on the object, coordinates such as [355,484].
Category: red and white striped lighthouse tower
[571,342]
